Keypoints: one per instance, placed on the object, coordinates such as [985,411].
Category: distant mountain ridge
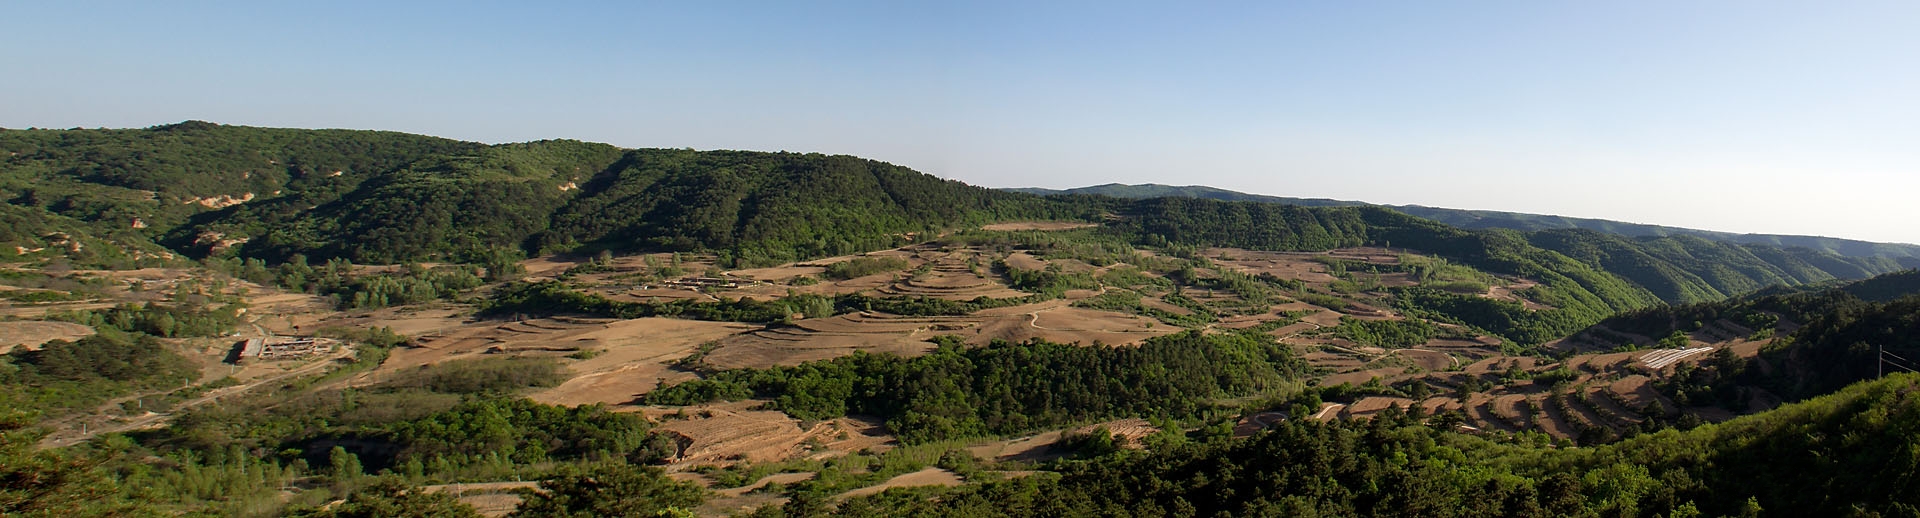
[1907,254]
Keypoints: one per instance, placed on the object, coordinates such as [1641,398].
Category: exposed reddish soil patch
[1126,432]
[31,334]
[1582,414]
[1637,392]
[1296,266]
[633,358]
[1429,360]
[489,498]
[1025,261]
[778,273]
[1603,404]
[1336,362]
[733,432]
[1480,412]
[1293,329]
[1250,424]
[1498,365]
[1325,318]
[1360,377]
[824,338]
[1030,448]
[1368,406]
[925,477]
[628,353]
[1368,312]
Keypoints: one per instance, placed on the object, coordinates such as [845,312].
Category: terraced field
[960,275]
[1611,391]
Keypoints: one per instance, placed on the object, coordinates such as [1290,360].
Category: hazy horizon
[1747,117]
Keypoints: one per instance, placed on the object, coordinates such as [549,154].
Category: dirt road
[78,429]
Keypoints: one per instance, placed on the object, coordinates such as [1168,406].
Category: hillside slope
[772,207]
[1687,269]
[129,187]
[1831,336]
[1490,219]
[1849,452]
[1678,269]
[384,197]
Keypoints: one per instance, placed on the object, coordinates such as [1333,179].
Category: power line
[1887,358]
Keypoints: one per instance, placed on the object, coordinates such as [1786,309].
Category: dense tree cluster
[1386,333]
[484,375]
[517,430]
[610,490]
[167,320]
[864,266]
[1011,387]
[1053,280]
[557,298]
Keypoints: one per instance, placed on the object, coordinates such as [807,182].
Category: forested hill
[370,196]
[771,207]
[1908,254]
[1687,269]
[759,208]
[99,194]
[1676,269]
[1585,275]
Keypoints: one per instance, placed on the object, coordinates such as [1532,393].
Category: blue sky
[1751,116]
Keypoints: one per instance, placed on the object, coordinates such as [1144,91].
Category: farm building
[281,348]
